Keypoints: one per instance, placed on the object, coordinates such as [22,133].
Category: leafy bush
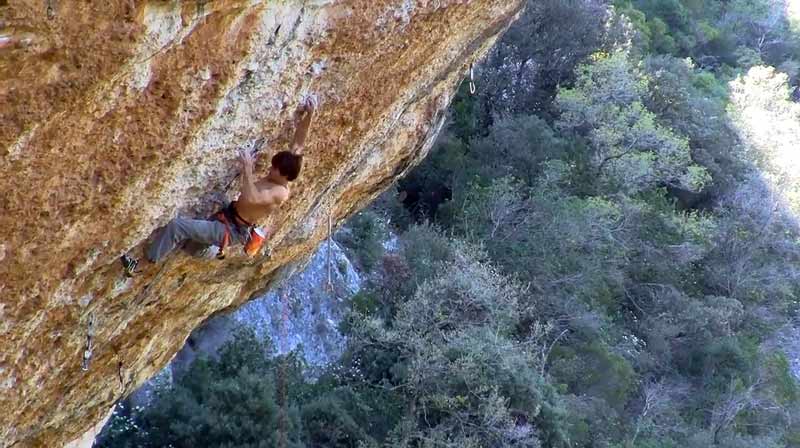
[365,235]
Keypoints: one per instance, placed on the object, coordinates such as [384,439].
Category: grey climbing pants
[179,230]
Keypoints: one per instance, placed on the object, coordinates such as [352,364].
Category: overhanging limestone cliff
[117,115]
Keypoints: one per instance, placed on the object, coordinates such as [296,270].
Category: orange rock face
[117,115]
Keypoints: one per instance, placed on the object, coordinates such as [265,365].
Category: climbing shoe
[129,264]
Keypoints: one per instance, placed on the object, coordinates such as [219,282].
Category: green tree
[467,379]
[768,123]
[632,152]
[224,402]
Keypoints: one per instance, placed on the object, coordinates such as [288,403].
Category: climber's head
[287,165]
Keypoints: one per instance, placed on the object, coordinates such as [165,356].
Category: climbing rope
[472,88]
[284,320]
[87,353]
[283,418]
[329,284]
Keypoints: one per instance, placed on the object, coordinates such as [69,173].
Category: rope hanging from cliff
[283,417]
[330,252]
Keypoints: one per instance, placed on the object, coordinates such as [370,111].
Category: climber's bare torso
[259,198]
[254,212]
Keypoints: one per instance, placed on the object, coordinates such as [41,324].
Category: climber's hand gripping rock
[246,161]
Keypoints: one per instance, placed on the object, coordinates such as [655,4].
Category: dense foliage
[601,251]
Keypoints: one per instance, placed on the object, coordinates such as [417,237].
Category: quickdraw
[226,238]
[230,217]
[87,353]
[50,9]
[201,10]
[472,87]
[120,372]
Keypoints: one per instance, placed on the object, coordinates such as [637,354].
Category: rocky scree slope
[118,115]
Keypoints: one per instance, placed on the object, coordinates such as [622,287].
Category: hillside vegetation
[600,252]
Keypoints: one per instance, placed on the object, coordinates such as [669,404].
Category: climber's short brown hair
[288,164]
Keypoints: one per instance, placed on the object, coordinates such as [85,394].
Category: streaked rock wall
[117,115]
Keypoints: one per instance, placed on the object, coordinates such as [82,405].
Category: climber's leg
[182,229]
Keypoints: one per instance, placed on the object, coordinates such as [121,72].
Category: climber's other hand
[307,105]
[311,103]
[260,146]
[246,160]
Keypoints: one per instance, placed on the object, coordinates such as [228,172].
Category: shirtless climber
[236,222]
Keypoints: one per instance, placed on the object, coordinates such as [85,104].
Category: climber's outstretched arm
[303,116]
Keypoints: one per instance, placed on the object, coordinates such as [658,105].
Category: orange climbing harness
[230,217]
